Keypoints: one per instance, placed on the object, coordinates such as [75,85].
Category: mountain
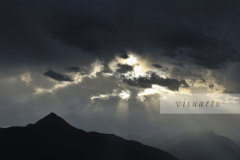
[204,145]
[172,141]
[158,138]
[152,140]
[52,120]
[237,142]
[136,137]
[53,138]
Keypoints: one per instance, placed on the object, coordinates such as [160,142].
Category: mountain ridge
[46,141]
[202,145]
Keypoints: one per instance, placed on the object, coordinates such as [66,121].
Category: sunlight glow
[132,60]
[101,96]
[156,89]
[97,67]
[26,77]
[57,86]
[125,94]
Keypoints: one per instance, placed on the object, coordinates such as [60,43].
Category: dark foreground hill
[53,138]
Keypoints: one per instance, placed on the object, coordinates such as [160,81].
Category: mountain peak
[53,115]
[52,120]
[205,132]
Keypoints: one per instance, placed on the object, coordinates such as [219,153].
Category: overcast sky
[101,64]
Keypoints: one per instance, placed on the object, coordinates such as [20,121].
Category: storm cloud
[123,68]
[57,76]
[157,66]
[147,82]
[181,30]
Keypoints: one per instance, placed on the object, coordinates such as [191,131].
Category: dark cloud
[83,70]
[211,86]
[179,64]
[203,80]
[157,65]
[124,55]
[72,30]
[73,69]
[187,40]
[57,76]
[147,82]
[106,68]
[185,35]
[123,68]
[85,26]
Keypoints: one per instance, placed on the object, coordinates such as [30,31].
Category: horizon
[52,114]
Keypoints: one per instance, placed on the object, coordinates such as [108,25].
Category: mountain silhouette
[136,137]
[158,138]
[172,141]
[52,120]
[202,145]
[53,138]
[153,140]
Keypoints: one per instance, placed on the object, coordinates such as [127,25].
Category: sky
[102,64]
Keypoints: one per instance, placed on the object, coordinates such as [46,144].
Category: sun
[131,60]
